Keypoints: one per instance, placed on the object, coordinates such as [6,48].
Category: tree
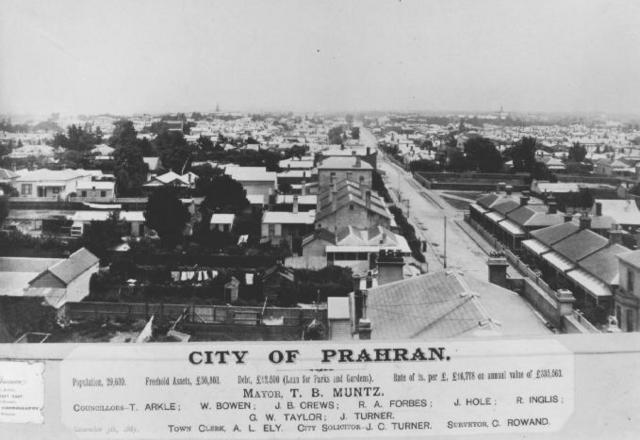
[481,154]
[456,161]
[205,143]
[167,215]
[577,152]
[335,135]
[523,154]
[130,170]
[173,149]
[225,194]
[146,147]
[76,139]
[124,134]
[100,236]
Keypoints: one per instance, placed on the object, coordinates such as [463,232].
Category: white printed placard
[317,390]
[21,392]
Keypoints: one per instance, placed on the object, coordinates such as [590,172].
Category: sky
[86,56]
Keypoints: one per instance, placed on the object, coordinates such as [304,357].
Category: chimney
[358,164]
[368,151]
[390,264]
[498,270]
[585,221]
[552,205]
[615,234]
[565,300]
[508,189]
[598,209]
[524,200]
[364,329]
[295,204]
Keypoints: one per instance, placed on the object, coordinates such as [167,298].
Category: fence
[194,314]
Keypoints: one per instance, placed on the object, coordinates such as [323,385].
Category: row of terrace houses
[582,253]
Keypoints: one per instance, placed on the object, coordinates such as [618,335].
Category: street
[427,212]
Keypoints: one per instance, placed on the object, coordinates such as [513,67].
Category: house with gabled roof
[65,281]
[348,203]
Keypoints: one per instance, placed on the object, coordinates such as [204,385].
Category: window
[619,316]
[630,281]
[272,230]
[83,193]
[55,190]
[26,189]
[103,194]
[351,206]
[629,320]
[361,180]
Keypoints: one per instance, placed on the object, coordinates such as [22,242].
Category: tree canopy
[124,134]
[100,236]
[223,194]
[577,152]
[173,149]
[523,154]
[167,215]
[130,170]
[482,154]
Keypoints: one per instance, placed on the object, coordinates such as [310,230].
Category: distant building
[255,180]
[222,222]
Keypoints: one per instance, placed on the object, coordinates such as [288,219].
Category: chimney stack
[498,270]
[552,205]
[598,209]
[615,234]
[364,329]
[508,189]
[295,204]
[368,151]
[524,200]
[358,164]
[585,221]
[390,264]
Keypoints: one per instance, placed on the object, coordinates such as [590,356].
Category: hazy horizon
[92,57]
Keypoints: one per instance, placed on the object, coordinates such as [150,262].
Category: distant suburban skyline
[78,56]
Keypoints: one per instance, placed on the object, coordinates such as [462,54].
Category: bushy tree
[523,154]
[167,215]
[482,155]
[100,236]
[173,149]
[124,134]
[205,143]
[224,194]
[130,170]
[577,152]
